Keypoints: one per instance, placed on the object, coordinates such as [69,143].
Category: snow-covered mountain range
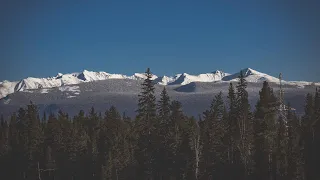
[7,87]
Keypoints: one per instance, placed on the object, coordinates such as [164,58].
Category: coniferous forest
[229,141]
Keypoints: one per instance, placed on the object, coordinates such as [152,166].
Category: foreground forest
[228,141]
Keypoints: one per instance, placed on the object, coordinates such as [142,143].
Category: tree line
[229,141]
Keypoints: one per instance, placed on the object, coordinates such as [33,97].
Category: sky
[39,38]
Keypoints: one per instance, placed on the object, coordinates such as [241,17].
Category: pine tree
[147,104]
[265,132]
[92,129]
[178,121]
[281,151]
[244,120]
[4,147]
[16,164]
[120,155]
[232,135]
[260,156]
[188,150]
[4,132]
[307,136]
[146,117]
[213,134]
[165,137]
[35,138]
[316,135]
[292,146]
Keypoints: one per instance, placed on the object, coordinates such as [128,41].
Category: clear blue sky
[40,38]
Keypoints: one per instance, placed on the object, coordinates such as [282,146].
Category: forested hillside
[228,141]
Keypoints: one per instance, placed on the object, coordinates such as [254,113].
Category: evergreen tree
[188,151]
[17,161]
[147,104]
[4,147]
[92,129]
[292,146]
[178,121]
[165,137]
[34,139]
[146,117]
[307,136]
[316,135]
[213,149]
[163,143]
[265,132]
[244,121]
[260,156]
[232,135]
[4,133]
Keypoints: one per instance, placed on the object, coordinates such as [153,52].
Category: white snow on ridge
[185,78]
[69,89]
[164,80]
[44,91]
[251,76]
[63,80]
[95,76]
[139,76]
[7,87]
[71,97]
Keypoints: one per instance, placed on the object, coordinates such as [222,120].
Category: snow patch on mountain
[44,91]
[141,76]
[7,87]
[251,76]
[164,80]
[96,76]
[185,78]
[71,97]
[69,88]
[64,80]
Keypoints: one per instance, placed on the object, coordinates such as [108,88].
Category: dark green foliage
[213,132]
[147,134]
[245,126]
[227,142]
[165,137]
[265,128]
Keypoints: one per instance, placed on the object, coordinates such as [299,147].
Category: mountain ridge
[251,75]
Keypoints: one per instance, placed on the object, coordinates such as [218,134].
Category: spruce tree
[146,117]
[165,137]
[16,156]
[188,150]
[4,148]
[265,132]
[92,129]
[213,151]
[307,136]
[35,138]
[316,135]
[244,121]
[232,135]
[292,146]
[178,121]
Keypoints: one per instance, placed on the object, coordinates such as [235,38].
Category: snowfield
[75,91]
[7,87]
[69,88]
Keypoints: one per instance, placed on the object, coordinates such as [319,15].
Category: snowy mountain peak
[59,75]
[93,76]
[186,78]
[164,80]
[251,75]
[139,76]
[217,72]
[249,71]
